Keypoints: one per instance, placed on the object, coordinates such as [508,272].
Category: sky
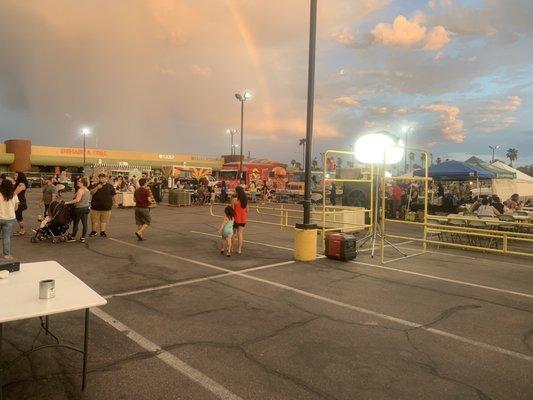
[160,75]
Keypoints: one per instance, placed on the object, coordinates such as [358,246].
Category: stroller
[55,225]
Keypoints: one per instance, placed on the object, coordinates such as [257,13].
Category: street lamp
[379,149]
[232,132]
[242,98]
[85,132]
[406,130]
[494,148]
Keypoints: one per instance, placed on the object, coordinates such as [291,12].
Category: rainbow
[255,57]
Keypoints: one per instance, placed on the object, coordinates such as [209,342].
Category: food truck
[176,173]
[254,171]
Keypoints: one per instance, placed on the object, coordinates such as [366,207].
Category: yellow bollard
[305,244]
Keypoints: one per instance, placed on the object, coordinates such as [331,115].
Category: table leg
[85,349]
[1,370]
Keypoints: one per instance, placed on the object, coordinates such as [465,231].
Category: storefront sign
[79,152]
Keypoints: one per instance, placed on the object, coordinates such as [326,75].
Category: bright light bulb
[247,95]
[375,148]
[85,131]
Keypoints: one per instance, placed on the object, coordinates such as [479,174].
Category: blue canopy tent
[455,171]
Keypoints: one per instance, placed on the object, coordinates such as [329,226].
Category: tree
[293,163]
[512,155]
[315,163]
[339,162]
[302,143]
[299,165]
[526,169]
[438,160]
[411,159]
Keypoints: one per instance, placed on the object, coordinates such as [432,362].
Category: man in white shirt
[486,210]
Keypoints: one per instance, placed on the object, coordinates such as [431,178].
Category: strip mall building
[22,155]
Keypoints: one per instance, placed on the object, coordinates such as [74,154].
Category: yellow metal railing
[285,215]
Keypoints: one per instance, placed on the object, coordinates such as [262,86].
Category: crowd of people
[94,199]
[448,197]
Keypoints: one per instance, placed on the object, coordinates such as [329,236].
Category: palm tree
[315,163]
[438,160]
[293,163]
[302,143]
[512,155]
[431,158]
[298,165]
[339,162]
[411,159]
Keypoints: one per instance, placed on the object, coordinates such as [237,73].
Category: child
[226,229]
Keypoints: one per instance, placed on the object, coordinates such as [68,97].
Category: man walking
[49,193]
[143,202]
[101,204]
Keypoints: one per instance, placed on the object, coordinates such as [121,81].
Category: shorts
[100,217]
[237,224]
[142,216]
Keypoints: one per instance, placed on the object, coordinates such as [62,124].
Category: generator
[341,246]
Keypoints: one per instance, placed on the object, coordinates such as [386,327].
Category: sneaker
[82,240]
[103,234]
[139,237]
[70,239]
[92,234]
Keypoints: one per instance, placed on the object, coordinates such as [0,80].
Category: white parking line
[403,257]
[444,279]
[362,310]
[467,257]
[191,281]
[387,245]
[247,241]
[168,358]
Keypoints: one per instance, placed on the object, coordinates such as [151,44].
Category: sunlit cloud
[451,127]
[198,70]
[495,115]
[346,101]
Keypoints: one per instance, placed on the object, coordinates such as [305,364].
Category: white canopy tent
[523,184]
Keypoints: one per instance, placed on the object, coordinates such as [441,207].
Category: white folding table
[19,299]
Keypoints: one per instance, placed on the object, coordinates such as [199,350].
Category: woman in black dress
[21,184]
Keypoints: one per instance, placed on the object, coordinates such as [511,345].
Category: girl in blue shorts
[226,230]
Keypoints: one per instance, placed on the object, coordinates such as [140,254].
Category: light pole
[305,246]
[494,148]
[310,110]
[406,130]
[232,132]
[242,98]
[84,132]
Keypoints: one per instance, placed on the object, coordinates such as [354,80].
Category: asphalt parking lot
[184,322]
